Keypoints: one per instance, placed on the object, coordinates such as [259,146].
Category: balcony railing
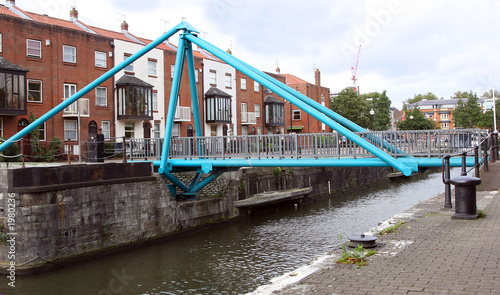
[182,114]
[72,110]
[248,118]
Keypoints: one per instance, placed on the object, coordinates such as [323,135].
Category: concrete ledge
[273,197]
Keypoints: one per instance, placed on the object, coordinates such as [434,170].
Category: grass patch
[391,229]
[356,256]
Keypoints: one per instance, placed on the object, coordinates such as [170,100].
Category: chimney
[317,77]
[124,27]
[73,14]
[278,71]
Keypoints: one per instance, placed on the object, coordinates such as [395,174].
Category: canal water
[240,256]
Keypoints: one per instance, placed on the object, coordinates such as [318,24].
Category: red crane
[354,71]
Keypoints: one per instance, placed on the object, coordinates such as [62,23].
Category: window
[176,130]
[257,110]
[172,70]
[101,96]
[244,113]
[445,125]
[1,43]
[296,114]
[244,130]
[69,54]
[1,127]
[196,75]
[212,77]
[13,92]
[228,81]
[70,128]
[156,131]
[129,130]
[42,136]
[34,48]
[155,101]
[256,86]
[259,130]
[243,82]
[105,129]
[130,67]
[152,68]
[101,59]
[34,91]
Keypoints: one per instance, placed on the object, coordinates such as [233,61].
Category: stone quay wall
[67,213]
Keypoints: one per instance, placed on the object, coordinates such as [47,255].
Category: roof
[7,65]
[127,79]
[214,91]
[272,99]
[291,80]
[442,102]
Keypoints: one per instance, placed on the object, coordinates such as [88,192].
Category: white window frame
[228,81]
[1,42]
[176,130]
[68,129]
[212,77]
[196,75]
[105,97]
[130,67]
[244,130]
[101,59]
[106,129]
[154,97]
[130,131]
[43,131]
[172,70]
[156,130]
[37,48]
[71,55]
[243,82]
[1,126]
[295,114]
[256,86]
[41,90]
[152,68]
[256,109]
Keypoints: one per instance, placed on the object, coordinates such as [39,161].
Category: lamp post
[411,122]
[494,112]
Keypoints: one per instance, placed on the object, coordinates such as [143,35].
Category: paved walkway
[429,254]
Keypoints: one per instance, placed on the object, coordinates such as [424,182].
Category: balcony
[81,105]
[182,114]
[248,118]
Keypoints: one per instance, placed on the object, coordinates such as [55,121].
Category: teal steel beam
[92,85]
[314,104]
[174,94]
[194,92]
[175,181]
[195,181]
[292,98]
[207,180]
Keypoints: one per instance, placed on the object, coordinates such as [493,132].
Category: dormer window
[135,99]
[275,111]
[217,106]
[12,89]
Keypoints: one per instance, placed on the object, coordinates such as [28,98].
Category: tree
[486,120]
[489,94]
[352,106]
[415,120]
[420,97]
[468,113]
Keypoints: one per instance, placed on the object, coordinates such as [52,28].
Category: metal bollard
[465,197]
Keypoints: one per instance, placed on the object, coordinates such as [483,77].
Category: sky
[407,46]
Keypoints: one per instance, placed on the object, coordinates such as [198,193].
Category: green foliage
[420,97]
[277,171]
[467,114]
[392,228]
[12,153]
[356,256]
[419,122]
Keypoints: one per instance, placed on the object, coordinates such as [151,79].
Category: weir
[382,152]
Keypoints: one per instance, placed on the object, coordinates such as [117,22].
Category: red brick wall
[53,72]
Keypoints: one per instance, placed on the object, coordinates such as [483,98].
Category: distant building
[441,110]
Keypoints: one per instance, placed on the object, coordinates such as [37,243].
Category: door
[24,144]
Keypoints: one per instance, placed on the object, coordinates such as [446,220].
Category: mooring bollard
[465,197]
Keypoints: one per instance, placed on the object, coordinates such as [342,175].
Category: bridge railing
[426,143]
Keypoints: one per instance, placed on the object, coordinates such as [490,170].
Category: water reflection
[239,257]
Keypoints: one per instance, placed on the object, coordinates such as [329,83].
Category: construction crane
[354,70]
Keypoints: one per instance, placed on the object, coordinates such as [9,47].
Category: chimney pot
[317,77]
[124,26]
[73,13]
[278,70]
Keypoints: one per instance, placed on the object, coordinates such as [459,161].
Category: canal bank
[429,253]
[65,214]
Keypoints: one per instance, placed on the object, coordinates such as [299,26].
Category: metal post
[124,150]
[447,185]
[22,151]
[486,167]
[491,148]
[464,167]
[69,152]
[476,161]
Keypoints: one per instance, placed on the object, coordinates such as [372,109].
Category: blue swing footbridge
[348,146]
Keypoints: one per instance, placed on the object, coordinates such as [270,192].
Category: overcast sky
[407,46]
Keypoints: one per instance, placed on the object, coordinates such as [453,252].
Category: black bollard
[465,197]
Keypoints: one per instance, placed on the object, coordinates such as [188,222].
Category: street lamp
[494,111]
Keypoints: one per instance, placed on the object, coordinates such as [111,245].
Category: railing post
[464,167]
[446,181]
[486,165]
[476,161]
[69,152]
[22,152]
[124,150]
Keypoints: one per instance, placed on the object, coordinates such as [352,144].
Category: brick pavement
[429,254]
